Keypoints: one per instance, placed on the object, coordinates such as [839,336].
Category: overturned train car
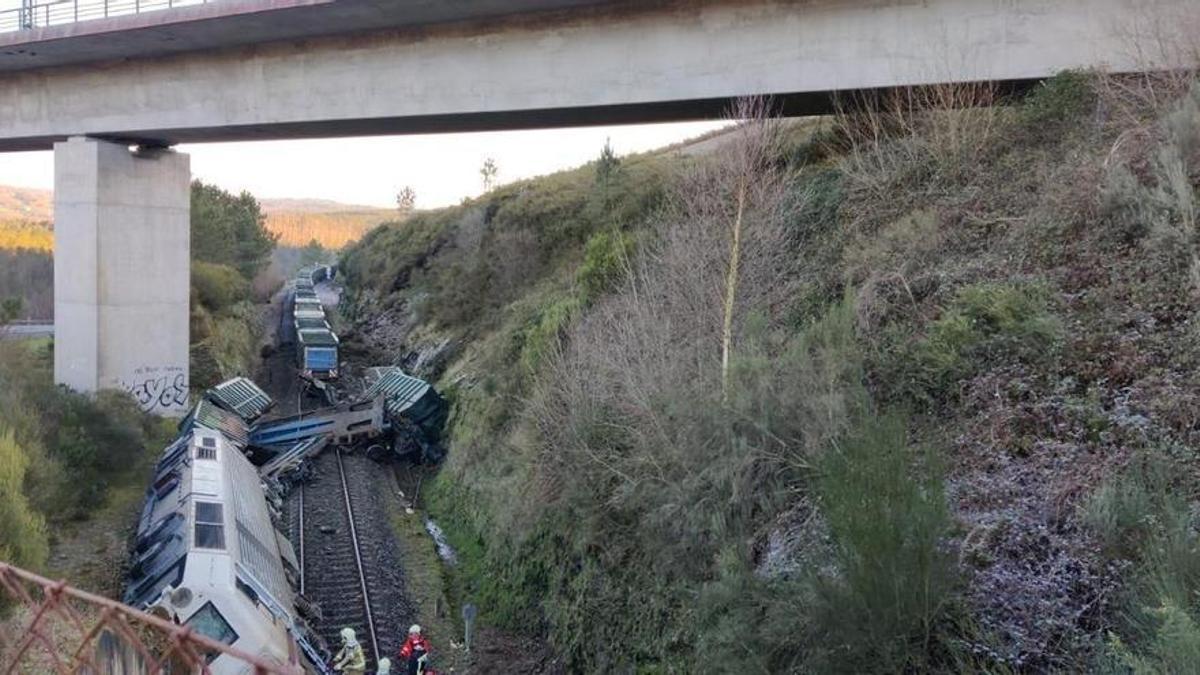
[207,552]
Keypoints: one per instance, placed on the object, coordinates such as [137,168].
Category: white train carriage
[207,553]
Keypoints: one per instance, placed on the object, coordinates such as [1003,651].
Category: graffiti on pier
[159,390]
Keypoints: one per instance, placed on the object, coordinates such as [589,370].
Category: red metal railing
[49,627]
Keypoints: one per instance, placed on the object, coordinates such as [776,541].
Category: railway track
[350,564]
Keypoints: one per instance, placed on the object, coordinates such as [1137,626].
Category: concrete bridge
[267,69]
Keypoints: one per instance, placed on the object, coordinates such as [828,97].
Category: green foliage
[79,445]
[228,349]
[607,255]
[313,253]
[468,263]
[1057,103]
[218,287]
[542,339]
[1125,513]
[893,583]
[28,276]
[22,530]
[10,309]
[229,230]
[1142,515]
[1174,647]
[985,324]
[658,490]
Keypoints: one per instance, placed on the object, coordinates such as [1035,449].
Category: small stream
[445,551]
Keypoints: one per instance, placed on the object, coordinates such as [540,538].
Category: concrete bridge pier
[122,271]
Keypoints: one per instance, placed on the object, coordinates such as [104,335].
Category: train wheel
[376,452]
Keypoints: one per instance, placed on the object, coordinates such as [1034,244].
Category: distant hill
[291,205]
[333,224]
[25,214]
[27,205]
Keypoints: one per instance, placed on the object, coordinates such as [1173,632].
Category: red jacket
[414,645]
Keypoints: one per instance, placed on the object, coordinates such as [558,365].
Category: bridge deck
[198,25]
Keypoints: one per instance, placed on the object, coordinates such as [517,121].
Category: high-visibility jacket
[351,660]
[415,645]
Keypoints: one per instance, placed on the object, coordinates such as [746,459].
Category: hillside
[26,205]
[25,212]
[945,420]
[333,224]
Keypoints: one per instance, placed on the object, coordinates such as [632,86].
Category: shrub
[218,287]
[542,339]
[985,324]
[229,351]
[22,530]
[1146,504]
[1057,102]
[606,257]
[894,582]
[1123,513]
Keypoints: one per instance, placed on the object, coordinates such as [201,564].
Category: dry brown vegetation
[958,426]
[333,230]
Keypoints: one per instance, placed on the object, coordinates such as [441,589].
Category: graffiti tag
[154,392]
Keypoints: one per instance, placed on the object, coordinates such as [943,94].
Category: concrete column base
[122,250]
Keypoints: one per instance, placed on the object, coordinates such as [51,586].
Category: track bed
[334,576]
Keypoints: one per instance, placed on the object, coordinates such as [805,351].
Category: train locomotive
[208,550]
[207,553]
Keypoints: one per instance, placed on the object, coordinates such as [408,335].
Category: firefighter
[385,666]
[350,660]
[415,651]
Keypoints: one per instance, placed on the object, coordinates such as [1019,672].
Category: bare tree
[489,171]
[729,212]
[406,200]
[633,393]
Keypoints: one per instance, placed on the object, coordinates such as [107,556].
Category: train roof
[211,416]
[400,390]
[317,337]
[242,396]
[310,322]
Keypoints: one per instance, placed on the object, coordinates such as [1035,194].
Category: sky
[441,168]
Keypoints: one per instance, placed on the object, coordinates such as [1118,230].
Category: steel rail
[362,577]
[300,497]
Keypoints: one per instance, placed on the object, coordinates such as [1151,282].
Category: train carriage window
[209,623]
[210,526]
[207,449]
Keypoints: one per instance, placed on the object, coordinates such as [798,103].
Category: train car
[207,554]
[317,353]
[307,308]
[310,323]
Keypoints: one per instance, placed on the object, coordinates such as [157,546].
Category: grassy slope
[1019,287]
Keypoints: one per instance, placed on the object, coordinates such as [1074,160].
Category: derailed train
[209,552]
[317,346]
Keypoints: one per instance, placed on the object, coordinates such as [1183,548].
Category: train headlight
[181,597]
